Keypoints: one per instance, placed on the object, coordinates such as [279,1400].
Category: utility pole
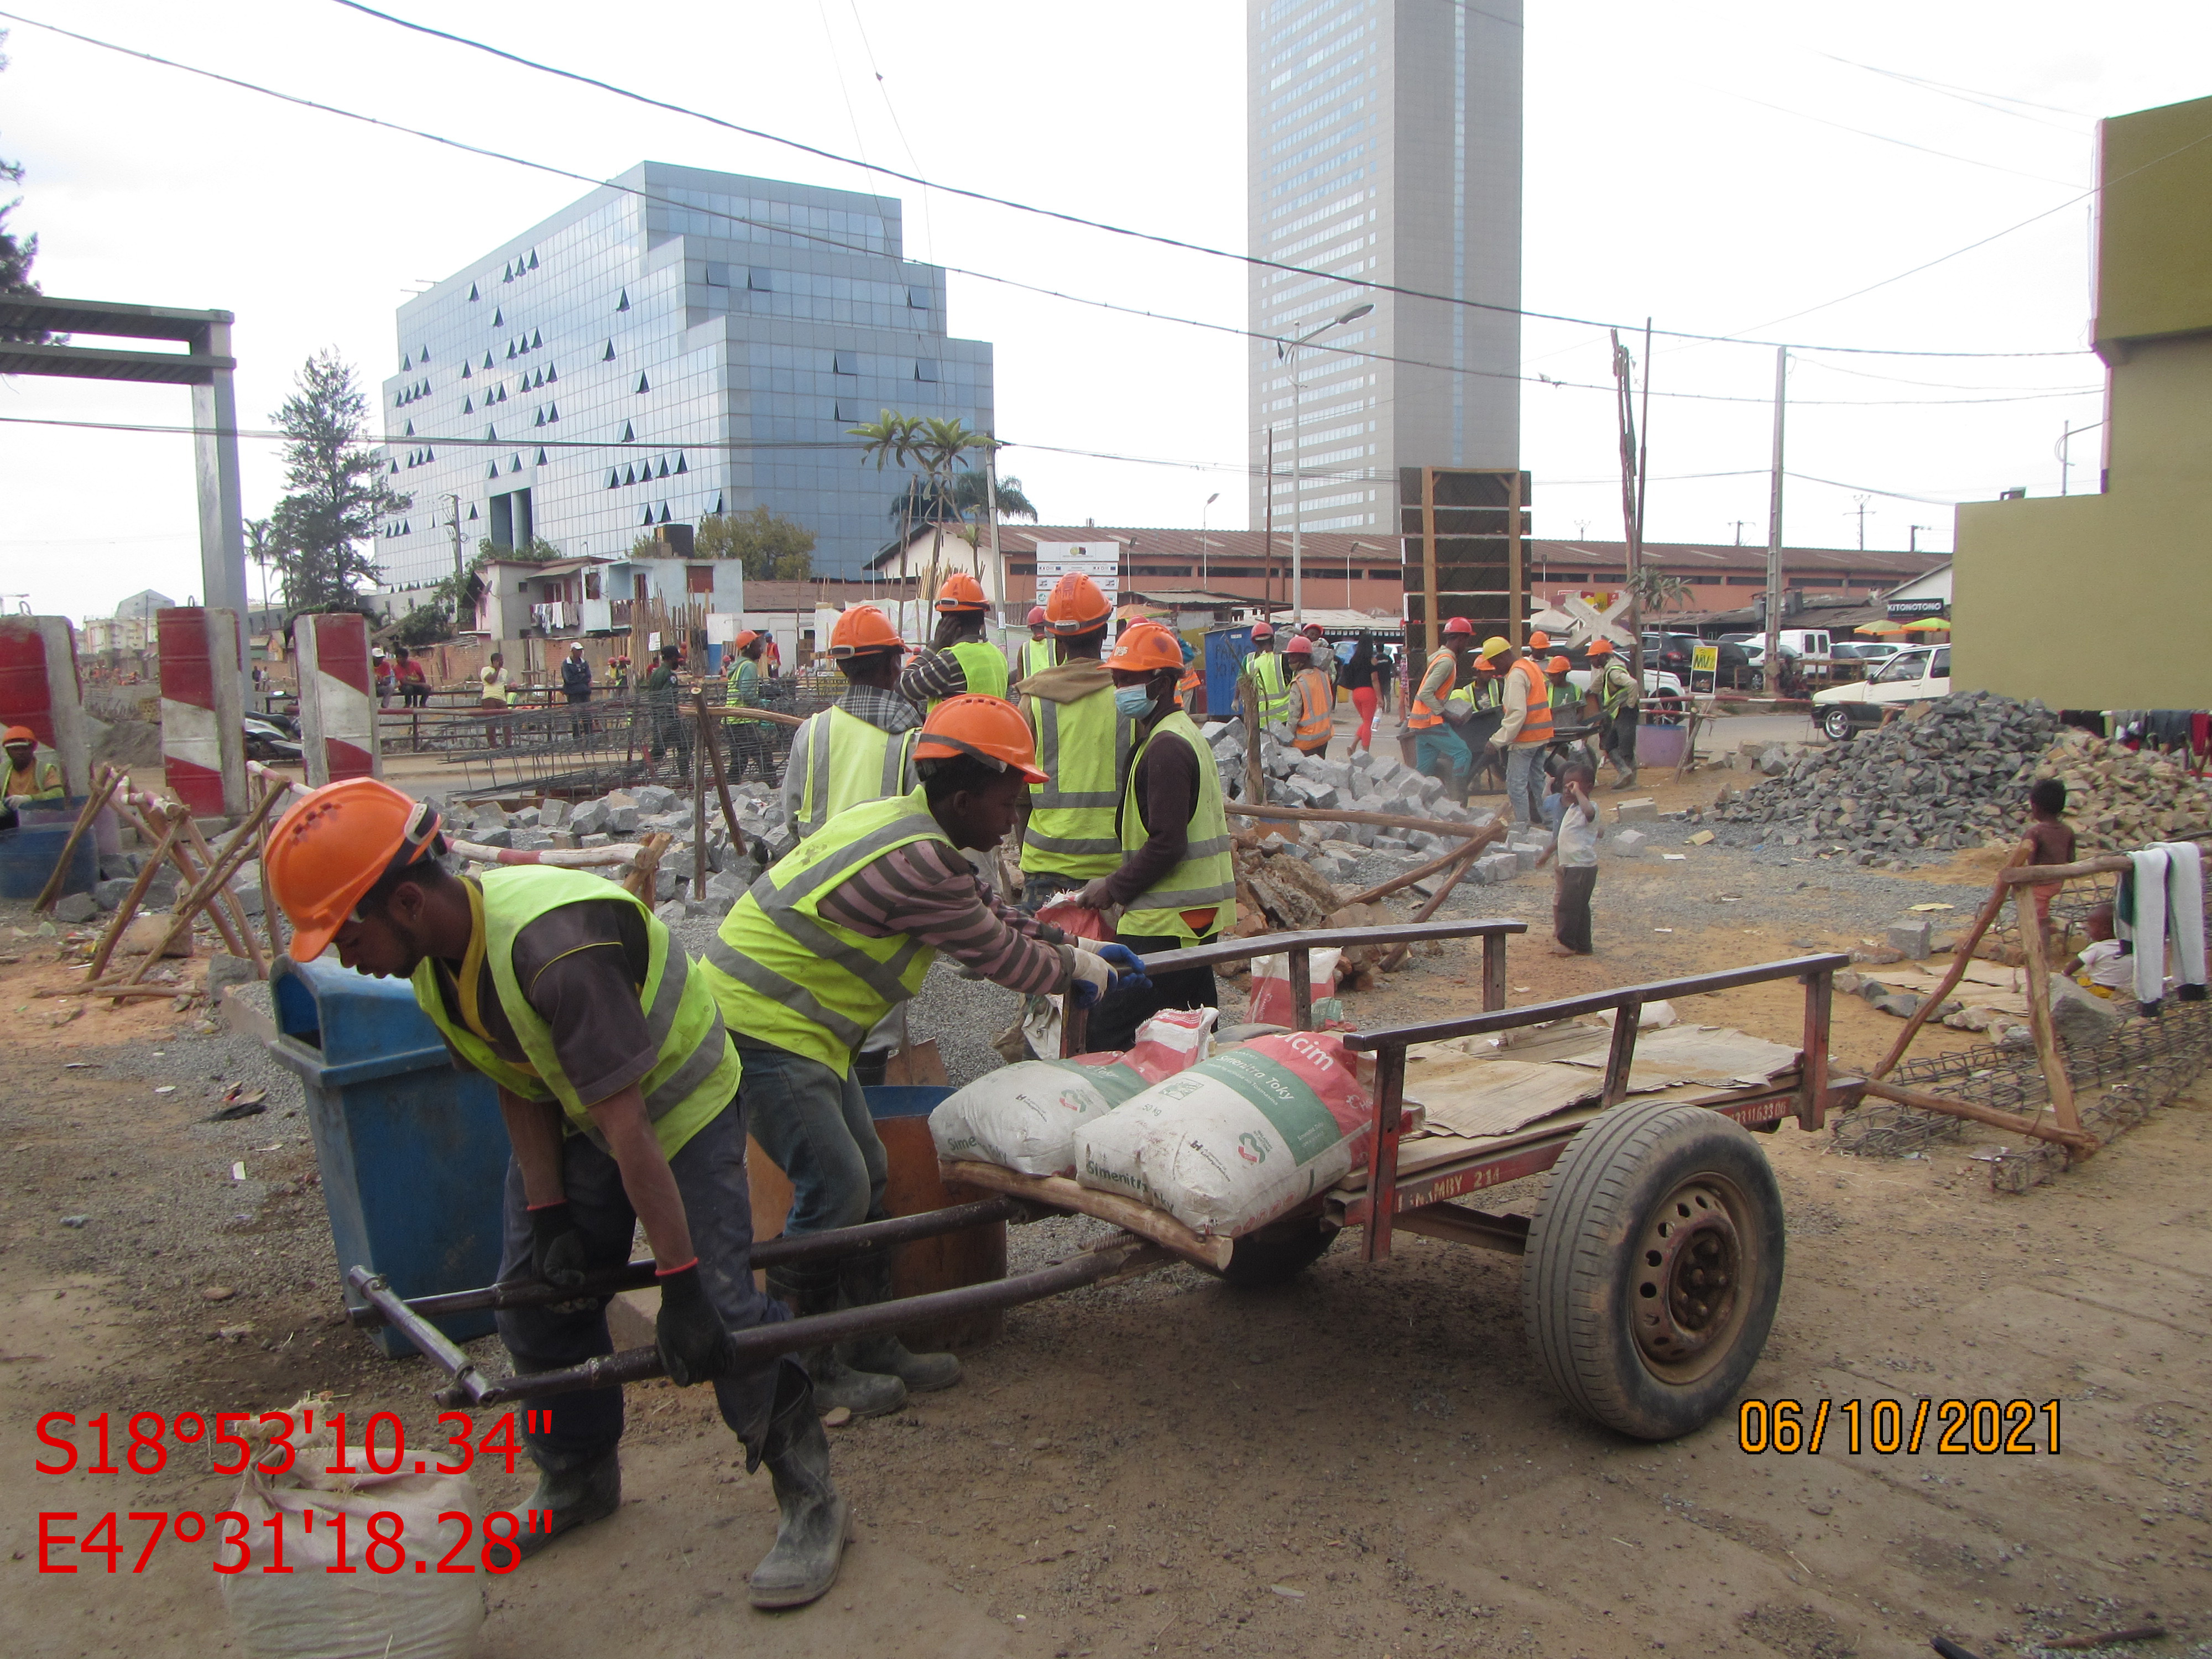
[456,501]
[1861,509]
[1267,603]
[2066,458]
[1774,527]
[1739,525]
[1912,535]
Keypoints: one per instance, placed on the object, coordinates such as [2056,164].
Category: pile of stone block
[1363,782]
[2119,798]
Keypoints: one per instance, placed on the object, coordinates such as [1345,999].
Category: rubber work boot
[574,1489]
[812,1291]
[1627,778]
[812,1517]
[867,1280]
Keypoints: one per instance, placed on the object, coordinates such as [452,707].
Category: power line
[1061,214]
[1965,95]
[1885,138]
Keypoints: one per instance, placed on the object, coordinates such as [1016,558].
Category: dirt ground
[1366,1460]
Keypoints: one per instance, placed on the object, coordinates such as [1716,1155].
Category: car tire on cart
[1278,1251]
[1654,1265]
[1837,723]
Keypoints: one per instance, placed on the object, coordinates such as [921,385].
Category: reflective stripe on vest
[1428,700]
[985,668]
[1083,749]
[1316,701]
[1536,725]
[1038,655]
[1266,671]
[788,976]
[1616,690]
[1205,878]
[694,1074]
[843,760]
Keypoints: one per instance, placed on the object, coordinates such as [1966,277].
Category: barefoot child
[2053,838]
[1576,842]
[2103,965]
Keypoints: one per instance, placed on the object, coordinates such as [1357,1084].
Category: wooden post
[128,908]
[1621,1052]
[1813,1062]
[721,782]
[103,788]
[1383,1156]
[1435,902]
[1255,775]
[2039,1012]
[1961,953]
[699,796]
[2077,1140]
[1493,972]
[1429,624]
[238,934]
[1516,598]
[210,884]
[269,899]
[1300,970]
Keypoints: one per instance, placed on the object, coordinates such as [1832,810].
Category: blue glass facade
[678,343]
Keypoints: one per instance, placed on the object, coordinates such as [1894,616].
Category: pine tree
[16,256]
[338,493]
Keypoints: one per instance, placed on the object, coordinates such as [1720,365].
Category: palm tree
[935,445]
[971,494]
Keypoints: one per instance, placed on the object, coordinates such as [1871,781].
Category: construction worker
[1188,688]
[959,659]
[832,938]
[576,687]
[30,780]
[1562,694]
[670,728]
[1041,652]
[1083,745]
[1619,706]
[1523,730]
[1313,698]
[1438,749]
[617,1084]
[1176,885]
[748,738]
[1271,679]
[1324,654]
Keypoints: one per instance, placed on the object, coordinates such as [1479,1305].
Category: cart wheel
[1280,1250]
[1653,1266]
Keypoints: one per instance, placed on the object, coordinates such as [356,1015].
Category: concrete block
[1527,857]
[73,907]
[224,969]
[552,814]
[249,894]
[1909,938]
[524,819]
[1640,810]
[1498,867]
[502,837]
[670,910]
[653,798]
[595,838]
[1627,844]
[588,819]
[119,866]
[1428,790]
[623,820]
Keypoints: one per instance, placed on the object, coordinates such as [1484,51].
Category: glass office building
[1383,144]
[676,344]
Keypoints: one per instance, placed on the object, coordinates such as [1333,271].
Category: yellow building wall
[2104,601]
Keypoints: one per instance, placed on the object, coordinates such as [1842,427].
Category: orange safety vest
[1426,713]
[1316,699]
[1537,726]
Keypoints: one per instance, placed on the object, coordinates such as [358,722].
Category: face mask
[1134,701]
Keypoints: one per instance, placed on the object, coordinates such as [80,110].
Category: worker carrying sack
[1023,1117]
[1236,1140]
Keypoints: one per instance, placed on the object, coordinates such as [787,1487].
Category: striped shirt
[928,892]
[934,676]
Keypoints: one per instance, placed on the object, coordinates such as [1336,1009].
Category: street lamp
[1202,512]
[1288,350]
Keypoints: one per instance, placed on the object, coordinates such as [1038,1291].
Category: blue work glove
[1128,967]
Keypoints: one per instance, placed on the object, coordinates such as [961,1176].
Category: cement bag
[1023,1117]
[1271,989]
[1076,921]
[1237,1140]
[311,1613]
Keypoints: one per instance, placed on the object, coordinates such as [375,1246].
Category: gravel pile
[1945,775]
[2118,798]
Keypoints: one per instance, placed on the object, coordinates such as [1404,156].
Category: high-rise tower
[1384,144]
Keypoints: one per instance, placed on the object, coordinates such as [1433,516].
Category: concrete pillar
[221,504]
[203,742]
[38,689]
[338,698]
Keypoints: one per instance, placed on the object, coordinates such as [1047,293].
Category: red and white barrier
[203,739]
[38,689]
[337,697]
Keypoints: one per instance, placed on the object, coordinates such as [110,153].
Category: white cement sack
[1272,1003]
[413,1612]
[1236,1140]
[1023,1117]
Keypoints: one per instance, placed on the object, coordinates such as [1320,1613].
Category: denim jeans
[710,1177]
[816,1125]
[1524,782]
[1441,753]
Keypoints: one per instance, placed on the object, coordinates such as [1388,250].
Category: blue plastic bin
[29,851]
[413,1152]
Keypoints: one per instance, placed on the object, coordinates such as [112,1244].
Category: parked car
[1918,674]
[1671,651]
[1862,655]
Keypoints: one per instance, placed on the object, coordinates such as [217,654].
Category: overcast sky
[1727,168]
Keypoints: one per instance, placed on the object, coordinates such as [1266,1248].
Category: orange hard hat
[1037,618]
[745,637]
[1600,646]
[334,846]
[1263,630]
[1459,625]
[1538,639]
[1299,647]
[1558,666]
[990,729]
[962,592]
[1148,645]
[861,629]
[18,734]
[1076,605]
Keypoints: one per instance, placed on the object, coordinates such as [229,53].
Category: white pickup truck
[1919,674]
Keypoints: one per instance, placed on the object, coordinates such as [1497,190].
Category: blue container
[1225,651]
[29,852]
[413,1152]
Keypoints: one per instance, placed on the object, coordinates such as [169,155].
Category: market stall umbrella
[1928,625]
[1877,629]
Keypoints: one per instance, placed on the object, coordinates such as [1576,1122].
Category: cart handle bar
[768,1253]
[1121,1254]
[1321,939]
[1539,1014]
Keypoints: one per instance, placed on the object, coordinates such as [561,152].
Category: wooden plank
[2055,1075]
[51,892]
[1621,1052]
[1961,954]
[1059,1193]
[1389,1101]
[2078,1139]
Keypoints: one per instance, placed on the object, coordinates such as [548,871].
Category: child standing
[2052,837]
[1576,842]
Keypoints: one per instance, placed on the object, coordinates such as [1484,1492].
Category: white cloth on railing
[2169,906]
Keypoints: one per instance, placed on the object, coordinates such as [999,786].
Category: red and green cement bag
[1236,1140]
[1023,1117]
